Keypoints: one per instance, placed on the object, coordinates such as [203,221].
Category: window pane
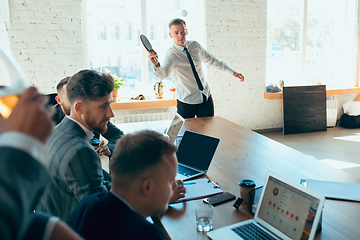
[122,56]
[330,40]
[284,33]
[166,10]
[123,20]
[330,43]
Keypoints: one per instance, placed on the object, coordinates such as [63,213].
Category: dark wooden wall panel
[304,109]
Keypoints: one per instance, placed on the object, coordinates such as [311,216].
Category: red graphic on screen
[275,191]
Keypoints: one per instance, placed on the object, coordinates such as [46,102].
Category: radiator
[331,112]
[147,117]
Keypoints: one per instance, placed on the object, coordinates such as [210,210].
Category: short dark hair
[89,84]
[137,152]
[176,21]
[61,84]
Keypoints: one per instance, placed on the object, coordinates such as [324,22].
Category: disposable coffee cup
[245,186]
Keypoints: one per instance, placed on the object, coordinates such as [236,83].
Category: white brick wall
[236,34]
[46,39]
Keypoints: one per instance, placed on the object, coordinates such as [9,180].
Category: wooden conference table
[244,154]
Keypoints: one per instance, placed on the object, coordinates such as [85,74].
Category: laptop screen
[175,126]
[197,150]
[288,209]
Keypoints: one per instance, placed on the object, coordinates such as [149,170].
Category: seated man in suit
[22,175]
[62,107]
[73,163]
[143,167]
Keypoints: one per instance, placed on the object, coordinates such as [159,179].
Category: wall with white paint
[46,38]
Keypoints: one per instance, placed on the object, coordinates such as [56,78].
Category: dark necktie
[194,70]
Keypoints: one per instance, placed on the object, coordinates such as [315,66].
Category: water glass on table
[204,217]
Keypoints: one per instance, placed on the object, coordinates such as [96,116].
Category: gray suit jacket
[75,168]
[22,181]
[112,134]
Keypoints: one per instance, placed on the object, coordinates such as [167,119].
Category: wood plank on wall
[304,109]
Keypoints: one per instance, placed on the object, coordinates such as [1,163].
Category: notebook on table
[286,211]
[195,154]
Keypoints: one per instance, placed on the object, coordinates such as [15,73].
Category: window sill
[123,104]
[329,92]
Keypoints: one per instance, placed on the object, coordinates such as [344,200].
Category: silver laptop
[286,210]
[195,154]
[173,130]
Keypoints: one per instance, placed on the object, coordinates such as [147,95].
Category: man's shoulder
[66,130]
[65,142]
[193,43]
[109,217]
[144,229]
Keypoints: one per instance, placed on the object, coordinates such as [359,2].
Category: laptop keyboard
[251,232]
[186,171]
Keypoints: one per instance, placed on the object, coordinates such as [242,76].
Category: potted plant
[117,81]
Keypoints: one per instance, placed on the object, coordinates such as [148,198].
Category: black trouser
[204,109]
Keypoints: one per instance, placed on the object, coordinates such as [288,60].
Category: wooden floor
[338,147]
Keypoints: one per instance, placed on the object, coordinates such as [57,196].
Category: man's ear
[187,32]
[170,35]
[58,100]
[146,187]
[79,107]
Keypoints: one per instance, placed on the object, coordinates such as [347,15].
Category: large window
[115,31]
[101,32]
[311,42]
[125,57]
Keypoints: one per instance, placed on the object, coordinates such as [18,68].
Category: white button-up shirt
[176,60]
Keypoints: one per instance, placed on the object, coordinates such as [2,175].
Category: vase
[115,95]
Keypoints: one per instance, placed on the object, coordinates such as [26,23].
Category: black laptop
[195,154]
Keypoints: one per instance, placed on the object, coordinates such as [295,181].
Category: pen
[187,183]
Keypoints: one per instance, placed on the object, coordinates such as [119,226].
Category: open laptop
[286,211]
[195,154]
[174,128]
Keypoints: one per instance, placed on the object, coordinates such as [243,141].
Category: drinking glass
[204,217]
[12,82]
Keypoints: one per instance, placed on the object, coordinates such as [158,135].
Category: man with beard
[63,108]
[73,164]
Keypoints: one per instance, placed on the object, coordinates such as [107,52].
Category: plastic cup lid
[247,183]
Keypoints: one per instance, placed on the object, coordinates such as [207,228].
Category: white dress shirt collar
[89,134]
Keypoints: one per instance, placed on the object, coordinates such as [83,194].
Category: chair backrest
[52,100]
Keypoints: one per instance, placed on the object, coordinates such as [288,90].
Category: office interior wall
[236,34]
[46,38]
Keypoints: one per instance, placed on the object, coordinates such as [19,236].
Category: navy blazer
[105,216]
